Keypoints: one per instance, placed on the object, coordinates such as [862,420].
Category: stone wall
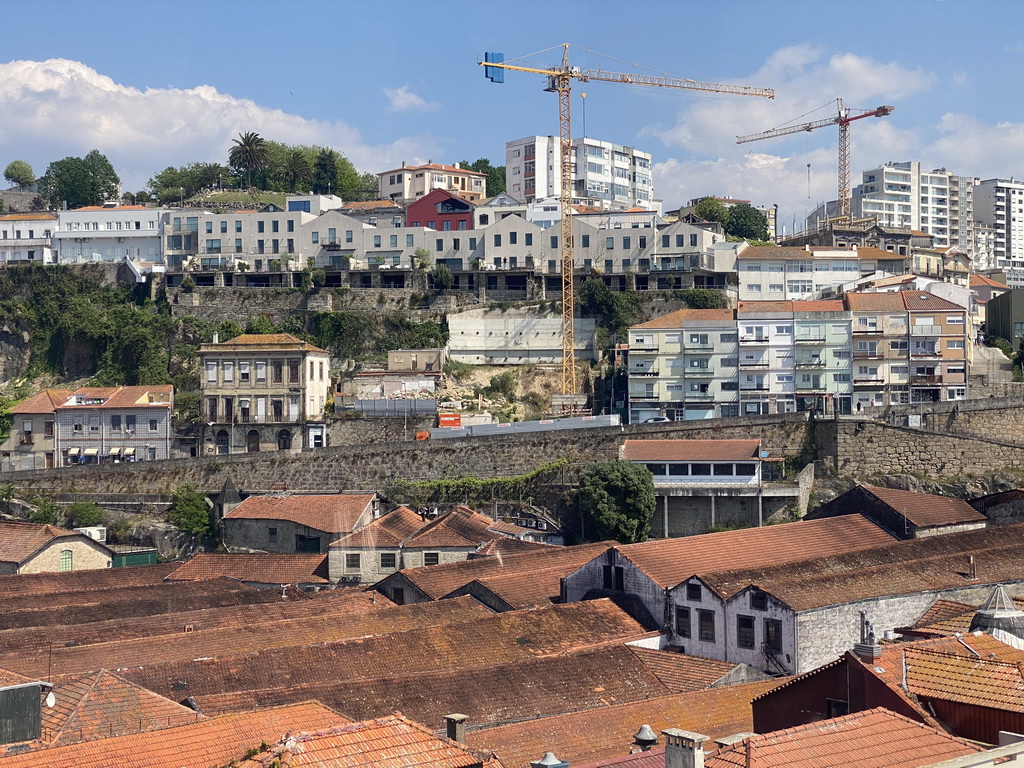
[86,555]
[361,431]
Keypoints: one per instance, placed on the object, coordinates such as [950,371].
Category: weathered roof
[691,450]
[607,732]
[113,208]
[19,541]
[925,509]
[777,252]
[261,568]
[675,320]
[336,513]
[922,300]
[874,302]
[44,402]
[681,673]
[39,216]
[250,342]
[210,742]
[983,682]
[874,738]
[871,252]
[156,396]
[388,742]
[978,281]
[363,205]
[388,530]
[670,561]
[462,527]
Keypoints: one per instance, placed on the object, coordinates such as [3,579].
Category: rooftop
[388,530]
[675,320]
[691,450]
[336,513]
[156,396]
[44,402]
[252,342]
[874,738]
[19,541]
[925,509]
[298,568]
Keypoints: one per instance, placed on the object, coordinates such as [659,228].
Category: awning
[115,451]
[129,451]
[91,451]
[74,451]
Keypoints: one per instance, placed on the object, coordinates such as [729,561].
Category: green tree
[747,222]
[45,511]
[83,514]
[77,181]
[295,169]
[495,174]
[443,277]
[19,173]
[616,499]
[617,310]
[260,324]
[710,209]
[249,154]
[189,511]
[325,172]
[173,184]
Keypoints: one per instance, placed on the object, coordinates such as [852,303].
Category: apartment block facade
[412,182]
[999,204]
[25,238]
[114,424]
[108,233]
[263,392]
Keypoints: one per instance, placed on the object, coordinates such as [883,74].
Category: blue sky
[157,84]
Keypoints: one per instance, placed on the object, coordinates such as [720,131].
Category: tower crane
[844,116]
[559,80]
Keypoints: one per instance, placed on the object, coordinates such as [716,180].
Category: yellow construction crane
[843,118]
[559,81]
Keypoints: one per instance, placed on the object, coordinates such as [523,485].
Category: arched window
[67,560]
[284,440]
[252,441]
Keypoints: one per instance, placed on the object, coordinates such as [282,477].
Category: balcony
[643,346]
[926,330]
[868,381]
[642,396]
[27,439]
[867,354]
[698,346]
[763,387]
[809,340]
[330,245]
[926,379]
[702,396]
[754,339]
[699,373]
[810,363]
[867,331]
[925,354]
[754,364]
[644,372]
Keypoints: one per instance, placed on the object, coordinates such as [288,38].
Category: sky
[154,84]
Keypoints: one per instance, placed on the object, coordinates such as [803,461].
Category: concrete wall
[246,535]
[86,555]
[692,515]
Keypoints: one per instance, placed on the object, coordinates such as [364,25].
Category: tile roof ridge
[80,704]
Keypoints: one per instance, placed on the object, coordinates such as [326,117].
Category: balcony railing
[812,363]
[809,339]
[753,387]
[27,439]
[703,395]
[644,372]
[867,380]
[642,396]
[754,339]
[698,346]
[925,330]
[867,330]
[699,373]
[754,364]
[925,379]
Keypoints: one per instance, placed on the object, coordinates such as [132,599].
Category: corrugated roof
[874,738]
[336,513]
[607,732]
[272,341]
[388,742]
[211,742]
[691,450]
[19,541]
[263,568]
[45,402]
[925,509]
[670,561]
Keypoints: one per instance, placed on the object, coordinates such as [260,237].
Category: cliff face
[14,353]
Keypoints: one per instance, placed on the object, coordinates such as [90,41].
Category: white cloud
[404,100]
[54,108]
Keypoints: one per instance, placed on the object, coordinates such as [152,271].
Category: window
[260,226]
[278,371]
[129,423]
[528,238]
[758,600]
[211,373]
[612,577]
[115,423]
[745,631]
[291,225]
[275,226]
[693,592]
[554,241]
[773,634]
[48,429]
[293,371]
[153,425]
[497,241]
[409,241]
[272,535]
[431,558]
[388,560]
[513,238]
[706,626]
[352,561]
[682,621]
[955,344]
[67,560]
[243,372]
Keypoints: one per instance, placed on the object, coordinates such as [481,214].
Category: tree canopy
[249,154]
[189,511]
[711,209]
[495,174]
[616,499]
[173,184]
[19,173]
[80,181]
[747,222]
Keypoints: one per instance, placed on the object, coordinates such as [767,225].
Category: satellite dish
[50,699]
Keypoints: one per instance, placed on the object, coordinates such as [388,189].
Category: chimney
[683,749]
[644,739]
[867,648]
[973,568]
[455,725]
[216,337]
[548,761]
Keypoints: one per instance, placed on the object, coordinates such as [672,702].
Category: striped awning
[129,451]
[115,451]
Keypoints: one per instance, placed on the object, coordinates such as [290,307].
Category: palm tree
[295,169]
[249,154]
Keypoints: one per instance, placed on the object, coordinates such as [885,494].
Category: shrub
[189,511]
[83,514]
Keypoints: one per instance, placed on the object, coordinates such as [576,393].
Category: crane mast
[560,81]
[843,118]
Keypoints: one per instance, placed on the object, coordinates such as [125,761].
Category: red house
[441,210]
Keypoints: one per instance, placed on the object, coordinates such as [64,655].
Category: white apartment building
[786,273]
[999,203]
[605,175]
[411,182]
[108,233]
[902,195]
[25,238]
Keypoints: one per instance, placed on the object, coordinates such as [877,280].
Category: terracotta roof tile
[934,653]
[670,561]
[500,693]
[388,530]
[763,307]
[874,302]
[777,252]
[113,208]
[298,568]
[269,637]
[691,450]
[7,677]
[682,673]
[981,280]
[925,509]
[607,732]
[45,402]
[517,589]
[275,341]
[675,320]
[28,217]
[336,513]
[364,205]
[19,541]
[874,738]
[944,610]
[922,300]
[462,527]
[388,742]
[503,545]
[982,682]
[473,643]
[207,743]
[156,396]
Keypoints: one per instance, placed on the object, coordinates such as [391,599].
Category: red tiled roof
[388,530]
[19,541]
[157,396]
[670,561]
[27,217]
[208,743]
[298,568]
[7,677]
[918,300]
[45,402]
[763,307]
[925,509]
[360,205]
[682,673]
[675,320]
[389,742]
[607,732]
[462,527]
[691,450]
[874,302]
[336,513]
[874,738]
[776,252]
[981,280]
[274,341]
[982,682]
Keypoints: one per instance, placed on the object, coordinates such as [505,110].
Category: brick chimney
[683,749]
[455,726]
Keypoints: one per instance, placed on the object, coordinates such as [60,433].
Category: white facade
[605,175]
[108,233]
[411,182]
[25,238]
[515,337]
[789,273]
[214,240]
[999,204]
